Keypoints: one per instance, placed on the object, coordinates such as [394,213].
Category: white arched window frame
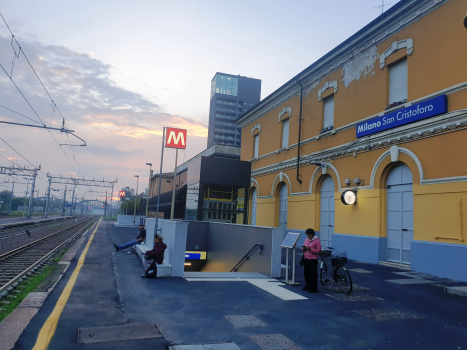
[396,46]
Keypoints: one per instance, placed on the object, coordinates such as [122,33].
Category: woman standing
[311,248]
[153,257]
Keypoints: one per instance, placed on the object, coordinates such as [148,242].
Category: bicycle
[332,270]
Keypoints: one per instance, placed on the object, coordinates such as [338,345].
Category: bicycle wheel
[343,279]
[325,273]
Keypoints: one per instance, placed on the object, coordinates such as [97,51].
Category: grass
[29,285]
[20,213]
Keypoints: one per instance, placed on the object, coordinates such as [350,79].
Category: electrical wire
[54,105]
[35,121]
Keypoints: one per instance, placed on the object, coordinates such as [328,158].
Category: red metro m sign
[122,193]
[175,138]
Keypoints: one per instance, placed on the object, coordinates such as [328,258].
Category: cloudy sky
[119,71]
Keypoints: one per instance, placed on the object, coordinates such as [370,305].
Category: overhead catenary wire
[35,121]
[54,105]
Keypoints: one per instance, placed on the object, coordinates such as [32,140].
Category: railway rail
[8,233]
[19,263]
[26,225]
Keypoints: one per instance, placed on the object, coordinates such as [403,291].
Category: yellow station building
[381,117]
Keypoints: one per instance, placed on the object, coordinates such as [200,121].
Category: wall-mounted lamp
[357,181]
[347,182]
[465,21]
[316,162]
[349,197]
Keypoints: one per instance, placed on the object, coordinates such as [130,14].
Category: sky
[119,71]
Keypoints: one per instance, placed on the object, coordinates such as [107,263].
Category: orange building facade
[318,136]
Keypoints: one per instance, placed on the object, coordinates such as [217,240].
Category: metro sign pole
[176,139]
[171,138]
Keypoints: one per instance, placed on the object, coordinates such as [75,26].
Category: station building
[382,118]
[211,186]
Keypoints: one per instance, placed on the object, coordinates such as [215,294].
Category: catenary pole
[72,201]
[11,199]
[63,206]
[31,198]
[156,228]
[172,208]
[111,201]
[25,197]
[105,205]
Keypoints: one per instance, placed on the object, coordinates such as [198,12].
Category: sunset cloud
[85,94]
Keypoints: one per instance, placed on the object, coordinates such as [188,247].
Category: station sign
[175,138]
[419,111]
[193,255]
[122,193]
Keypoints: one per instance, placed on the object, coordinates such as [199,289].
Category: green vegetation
[30,284]
[26,287]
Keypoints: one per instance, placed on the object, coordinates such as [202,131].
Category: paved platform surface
[250,313]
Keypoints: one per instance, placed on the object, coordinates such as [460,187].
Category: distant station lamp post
[136,196]
[149,187]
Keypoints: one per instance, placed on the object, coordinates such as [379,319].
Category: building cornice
[447,91]
[405,15]
[431,127]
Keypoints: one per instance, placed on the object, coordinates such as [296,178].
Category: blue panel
[440,259]
[425,109]
[361,248]
[192,256]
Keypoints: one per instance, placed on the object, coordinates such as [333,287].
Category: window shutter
[328,112]
[254,199]
[256,146]
[285,133]
[398,81]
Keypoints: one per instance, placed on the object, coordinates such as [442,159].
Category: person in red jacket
[153,257]
[311,248]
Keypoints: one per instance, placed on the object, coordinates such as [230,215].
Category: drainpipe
[299,132]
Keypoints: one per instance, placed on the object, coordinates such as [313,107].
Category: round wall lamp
[349,197]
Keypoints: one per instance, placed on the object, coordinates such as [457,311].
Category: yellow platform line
[48,329]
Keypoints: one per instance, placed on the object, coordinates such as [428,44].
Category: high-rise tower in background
[231,96]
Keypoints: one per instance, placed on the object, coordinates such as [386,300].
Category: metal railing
[247,256]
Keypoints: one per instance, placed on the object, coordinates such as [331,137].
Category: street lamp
[134,211]
[149,188]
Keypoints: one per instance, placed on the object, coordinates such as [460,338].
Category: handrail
[247,257]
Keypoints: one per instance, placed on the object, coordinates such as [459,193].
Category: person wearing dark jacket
[153,257]
[138,240]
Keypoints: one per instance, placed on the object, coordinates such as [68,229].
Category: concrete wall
[175,237]
[228,243]
[127,220]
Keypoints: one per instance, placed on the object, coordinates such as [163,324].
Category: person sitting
[138,240]
[153,257]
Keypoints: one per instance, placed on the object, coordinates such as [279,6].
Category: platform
[250,312]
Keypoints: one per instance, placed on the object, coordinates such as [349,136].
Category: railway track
[19,263]
[32,228]
[7,232]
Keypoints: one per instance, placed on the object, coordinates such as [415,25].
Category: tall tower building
[231,96]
